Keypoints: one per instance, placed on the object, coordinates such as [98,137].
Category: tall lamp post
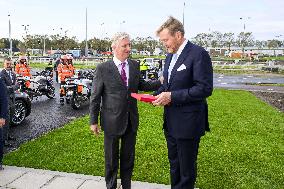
[278,36]
[26,33]
[123,22]
[86,45]
[10,39]
[102,32]
[44,38]
[183,14]
[243,38]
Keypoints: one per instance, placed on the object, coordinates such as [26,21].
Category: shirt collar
[118,62]
[180,49]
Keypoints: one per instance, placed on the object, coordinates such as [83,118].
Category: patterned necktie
[123,73]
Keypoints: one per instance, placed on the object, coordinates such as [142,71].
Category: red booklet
[143,97]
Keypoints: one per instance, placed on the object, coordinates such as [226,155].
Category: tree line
[214,39]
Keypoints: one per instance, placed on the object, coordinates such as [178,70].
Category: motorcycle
[41,85]
[153,73]
[77,89]
[19,107]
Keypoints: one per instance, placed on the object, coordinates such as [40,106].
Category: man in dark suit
[188,81]
[114,81]
[3,116]
[9,78]
[7,74]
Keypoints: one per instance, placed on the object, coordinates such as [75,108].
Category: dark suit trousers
[6,127]
[126,157]
[1,145]
[182,154]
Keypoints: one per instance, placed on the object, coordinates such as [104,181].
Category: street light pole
[121,24]
[277,36]
[26,28]
[102,33]
[10,39]
[26,32]
[43,52]
[183,14]
[243,37]
[86,45]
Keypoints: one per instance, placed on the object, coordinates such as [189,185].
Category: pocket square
[182,67]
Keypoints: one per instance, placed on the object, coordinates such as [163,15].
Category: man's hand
[2,122]
[95,129]
[161,79]
[163,99]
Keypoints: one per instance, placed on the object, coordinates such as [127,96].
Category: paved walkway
[28,178]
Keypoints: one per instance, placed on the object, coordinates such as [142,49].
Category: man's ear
[178,35]
[113,47]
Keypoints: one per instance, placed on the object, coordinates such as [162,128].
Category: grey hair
[118,37]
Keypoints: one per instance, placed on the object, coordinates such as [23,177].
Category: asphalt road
[46,115]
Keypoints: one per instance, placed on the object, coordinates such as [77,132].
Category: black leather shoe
[1,167]
[6,144]
[11,138]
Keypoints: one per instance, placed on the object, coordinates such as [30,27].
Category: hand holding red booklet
[143,97]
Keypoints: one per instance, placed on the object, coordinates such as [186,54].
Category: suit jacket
[3,100]
[191,82]
[7,79]
[112,99]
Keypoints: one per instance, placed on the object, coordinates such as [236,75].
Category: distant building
[216,51]
[134,51]
[157,51]
[144,53]
[237,52]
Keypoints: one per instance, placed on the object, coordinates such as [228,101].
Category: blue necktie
[172,64]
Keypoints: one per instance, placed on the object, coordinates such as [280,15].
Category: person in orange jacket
[63,73]
[22,67]
[70,65]
[63,69]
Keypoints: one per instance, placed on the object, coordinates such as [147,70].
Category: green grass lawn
[246,72]
[244,149]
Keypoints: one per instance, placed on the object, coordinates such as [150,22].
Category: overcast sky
[264,18]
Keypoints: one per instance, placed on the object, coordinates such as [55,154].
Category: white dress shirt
[119,67]
[175,57]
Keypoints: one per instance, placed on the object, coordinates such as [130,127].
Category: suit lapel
[8,78]
[180,60]
[131,74]
[167,65]
[113,71]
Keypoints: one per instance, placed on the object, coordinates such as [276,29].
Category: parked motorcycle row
[77,91]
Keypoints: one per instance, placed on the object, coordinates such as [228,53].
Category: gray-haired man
[114,81]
